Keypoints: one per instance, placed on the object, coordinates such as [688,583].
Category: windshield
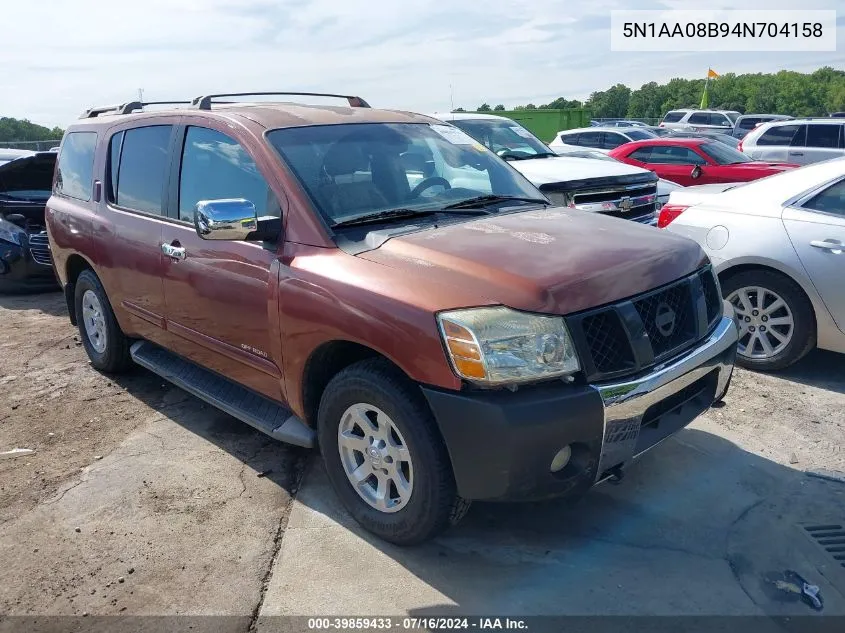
[353,170]
[506,138]
[722,154]
[639,135]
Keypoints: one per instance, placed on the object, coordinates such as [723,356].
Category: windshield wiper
[481,201]
[398,214]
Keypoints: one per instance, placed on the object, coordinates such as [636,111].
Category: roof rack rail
[126,108]
[204,102]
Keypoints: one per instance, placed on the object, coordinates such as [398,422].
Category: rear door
[131,224]
[824,141]
[816,227]
[780,143]
[221,299]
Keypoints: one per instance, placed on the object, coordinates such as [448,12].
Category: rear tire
[789,331]
[375,426]
[104,342]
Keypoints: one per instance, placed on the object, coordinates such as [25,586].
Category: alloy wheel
[375,457]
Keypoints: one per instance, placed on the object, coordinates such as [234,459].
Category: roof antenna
[451,99]
[141,95]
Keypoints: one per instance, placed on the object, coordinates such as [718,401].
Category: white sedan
[778,246]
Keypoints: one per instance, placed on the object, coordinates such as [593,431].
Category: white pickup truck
[601,186]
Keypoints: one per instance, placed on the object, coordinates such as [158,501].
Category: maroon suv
[380,284]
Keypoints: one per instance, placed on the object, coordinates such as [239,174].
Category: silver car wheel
[375,457]
[766,324]
[94,320]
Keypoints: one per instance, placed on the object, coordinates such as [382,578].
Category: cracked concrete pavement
[138,481]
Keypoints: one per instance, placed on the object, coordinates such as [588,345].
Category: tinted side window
[778,135]
[700,118]
[643,155]
[143,168]
[673,155]
[115,144]
[748,124]
[823,135]
[215,167]
[76,165]
[612,140]
[831,200]
[570,139]
[673,117]
[717,118]
[590,139]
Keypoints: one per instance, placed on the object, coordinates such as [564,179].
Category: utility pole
[451,99]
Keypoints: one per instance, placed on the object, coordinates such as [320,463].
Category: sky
[64,56]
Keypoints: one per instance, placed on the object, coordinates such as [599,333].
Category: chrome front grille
[631,202]
[39,247]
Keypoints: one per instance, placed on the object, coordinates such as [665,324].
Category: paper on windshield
[454,135]
[522,132]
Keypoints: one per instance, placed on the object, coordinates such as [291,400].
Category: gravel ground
[133,474]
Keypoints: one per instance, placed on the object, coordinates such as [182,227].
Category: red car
[695,161]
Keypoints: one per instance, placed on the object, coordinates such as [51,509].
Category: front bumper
[20,272]
[502,444]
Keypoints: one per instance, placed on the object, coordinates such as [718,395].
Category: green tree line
[786,92]
[23,130]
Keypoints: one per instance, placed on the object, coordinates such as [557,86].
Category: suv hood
[544,171]
[556,260]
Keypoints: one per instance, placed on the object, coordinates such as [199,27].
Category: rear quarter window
[673,117]
[75,170]
[779,135]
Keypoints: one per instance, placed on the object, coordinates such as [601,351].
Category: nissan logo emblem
[665,319]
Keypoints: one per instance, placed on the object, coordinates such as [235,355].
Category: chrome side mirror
[231,219]
[696,172]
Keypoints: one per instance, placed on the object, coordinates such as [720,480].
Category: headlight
[11,232]
[497,346]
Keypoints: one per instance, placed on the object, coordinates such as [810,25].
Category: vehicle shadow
[280,463]
[698,527]
[819,368]
[49,302]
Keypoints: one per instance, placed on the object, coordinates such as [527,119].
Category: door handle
[833,246]
[173,251]
[796,153]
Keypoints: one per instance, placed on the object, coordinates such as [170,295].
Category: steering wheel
[429,182]
[506,153]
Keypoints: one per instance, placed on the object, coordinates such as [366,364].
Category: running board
[259,412]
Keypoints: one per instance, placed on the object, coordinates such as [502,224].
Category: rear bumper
[502,444]
[19,272]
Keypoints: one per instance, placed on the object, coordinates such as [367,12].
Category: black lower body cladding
[502,444]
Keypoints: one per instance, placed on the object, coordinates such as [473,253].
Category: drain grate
[831,538]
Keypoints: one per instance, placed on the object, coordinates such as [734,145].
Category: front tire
[776,319]
[106,345]
[384,455]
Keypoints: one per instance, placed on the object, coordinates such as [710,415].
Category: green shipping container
[545,124]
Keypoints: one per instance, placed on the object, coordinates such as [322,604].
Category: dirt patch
[52,402]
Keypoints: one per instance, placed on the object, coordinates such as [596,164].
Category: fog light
[561,459]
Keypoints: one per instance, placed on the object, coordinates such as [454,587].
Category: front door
[221,298]
[817,231]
